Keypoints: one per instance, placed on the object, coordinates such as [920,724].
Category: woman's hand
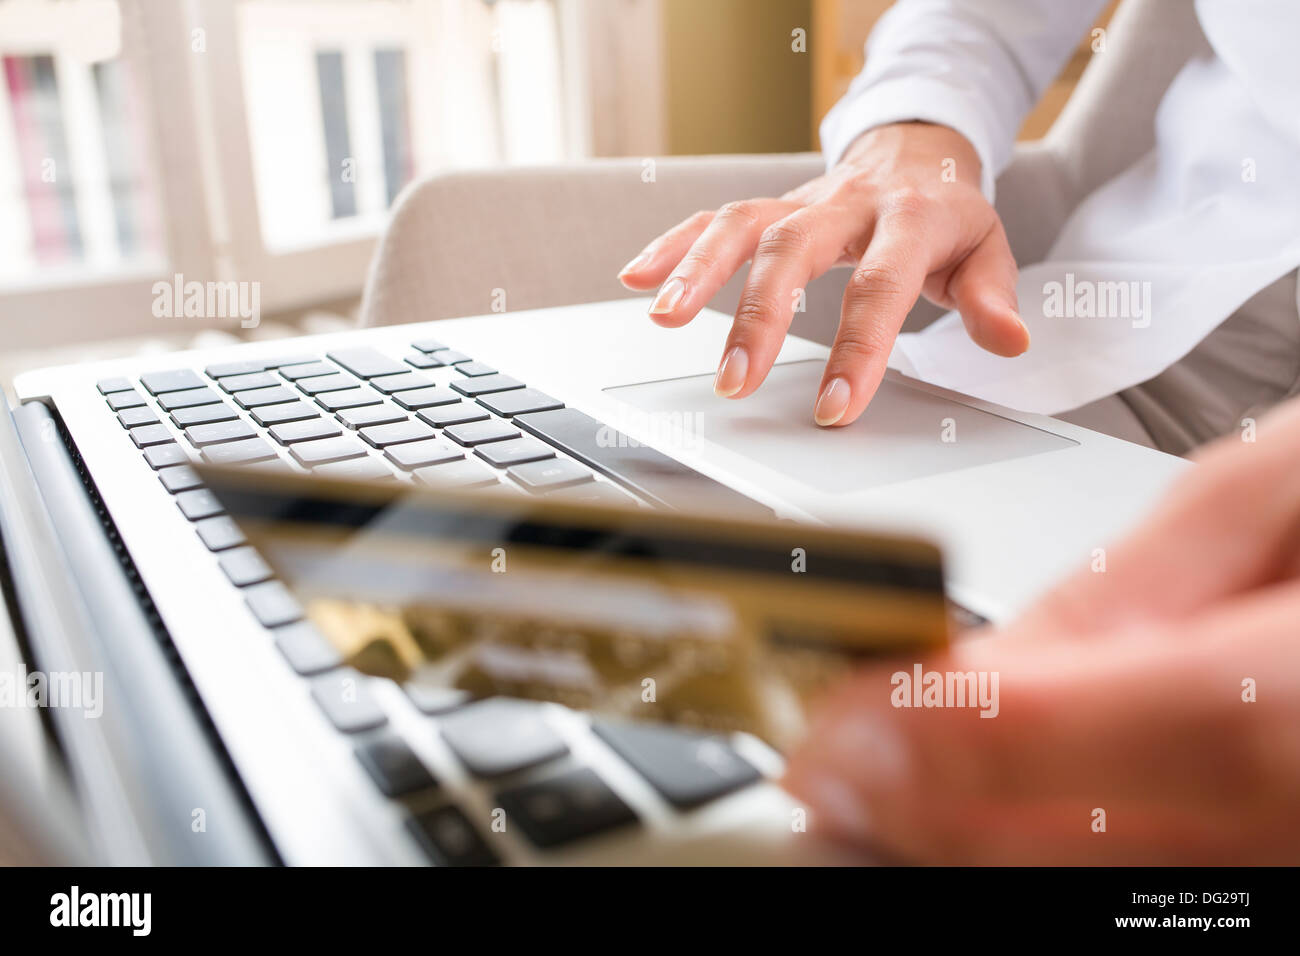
[903,206]
[1163,692]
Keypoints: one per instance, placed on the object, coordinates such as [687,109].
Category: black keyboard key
[474,387]
[355,469]
[220,533]
[480,432]
[457,474]
[348,398]
[394,767]
[425,398]
[310,370]
[242,383]
[381,436]
[451,357]
[215,433]
[366,415]
[306,649]
[366,362]
[431,699]
[198,504]
[309,430]
[345,697]
[295,411]
[170,401]
[232,369]
[148,435]
[421,453]
[319,384]
[272,604]
[518,401]
[542,476]
[649,473]
[177,380]
[404,382]
[449,839]
[501,735]
[140,415]
[517,451]
[160,456]
[203,415]
[179,478]
[560,810]
[239,452]
[244,566]
[456,414]
[427,345]
[108,385]
[257,397]
[128,398]
[687,768]
[475,369]
[327,450]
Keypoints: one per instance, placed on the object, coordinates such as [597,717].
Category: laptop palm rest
[906,433]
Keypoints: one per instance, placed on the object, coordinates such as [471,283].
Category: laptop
[228,745]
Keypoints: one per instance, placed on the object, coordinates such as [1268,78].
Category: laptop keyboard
[437,417]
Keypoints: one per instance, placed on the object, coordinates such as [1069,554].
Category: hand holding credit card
[710,621]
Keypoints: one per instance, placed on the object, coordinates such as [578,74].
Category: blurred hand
[903,207]
[1120,691]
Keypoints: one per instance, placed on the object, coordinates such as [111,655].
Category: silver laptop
[225,737]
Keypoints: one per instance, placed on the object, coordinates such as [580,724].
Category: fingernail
[1028,338]
[635,264]
[835,806]
[833,402]
[731,373]
[669,295]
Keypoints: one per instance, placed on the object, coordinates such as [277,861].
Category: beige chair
[558,235]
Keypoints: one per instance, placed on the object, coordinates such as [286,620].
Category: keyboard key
[594,493]
[450,357]
[344,695]
[687,768]
[203,415]
[296,411]
[139,415]
[366,415]
[562,809]
[220,533]
[517,451]
[198,504]
[420,360]
[501,735]
[242,383]
[160,456]
[292,360]
[244,566]
[475,369]
[449,839]
[401,383]
[306,649]
[381,435]
[218,432]
[170,401]
[457,414]
[129,398]
[349,398]
[476,433]
[147,435]
[421,453]
[474,387]
[393,766]
[107,385]
[257,397]
[272,604]
[319,384]
[431,699]
[312,428]
[427,345]
[543,476]
[232,369]
[457,474]
[176,380]
[239,452]
[310,370]
[425,397]
[179,478]
[330,449]
[518,401]
[366,362]
[357,469]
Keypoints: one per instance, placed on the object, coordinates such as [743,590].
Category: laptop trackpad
[905,433]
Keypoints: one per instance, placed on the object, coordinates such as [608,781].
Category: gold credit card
[716,622]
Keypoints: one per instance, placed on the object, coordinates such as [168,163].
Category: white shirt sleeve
[977,66]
